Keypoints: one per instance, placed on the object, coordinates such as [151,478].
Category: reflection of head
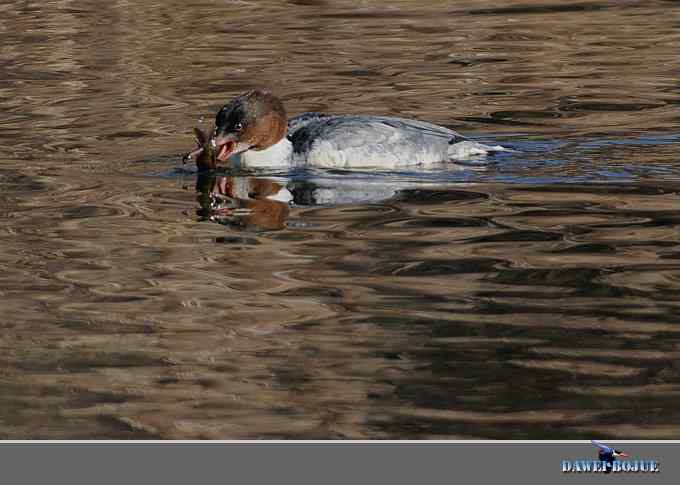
[242,202]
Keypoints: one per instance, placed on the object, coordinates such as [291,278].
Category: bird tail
[461,150]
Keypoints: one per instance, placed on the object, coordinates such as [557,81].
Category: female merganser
[253,131]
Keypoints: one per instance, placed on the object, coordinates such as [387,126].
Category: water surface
[532,295]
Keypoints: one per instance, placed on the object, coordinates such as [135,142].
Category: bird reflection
[240,202]
[247,202]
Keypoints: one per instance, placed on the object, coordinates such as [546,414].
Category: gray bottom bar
[322,463]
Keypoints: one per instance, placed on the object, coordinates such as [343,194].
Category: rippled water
[531,296]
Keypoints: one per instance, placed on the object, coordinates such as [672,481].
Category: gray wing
[357,131]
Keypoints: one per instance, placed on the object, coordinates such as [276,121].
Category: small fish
[204,153]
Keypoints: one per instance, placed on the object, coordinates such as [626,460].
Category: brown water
[534,296]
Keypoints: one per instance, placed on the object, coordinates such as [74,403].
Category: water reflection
[255,203]
[242,202]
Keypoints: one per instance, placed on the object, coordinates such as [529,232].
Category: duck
[253,130]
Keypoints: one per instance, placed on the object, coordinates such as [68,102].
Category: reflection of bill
[243,202]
